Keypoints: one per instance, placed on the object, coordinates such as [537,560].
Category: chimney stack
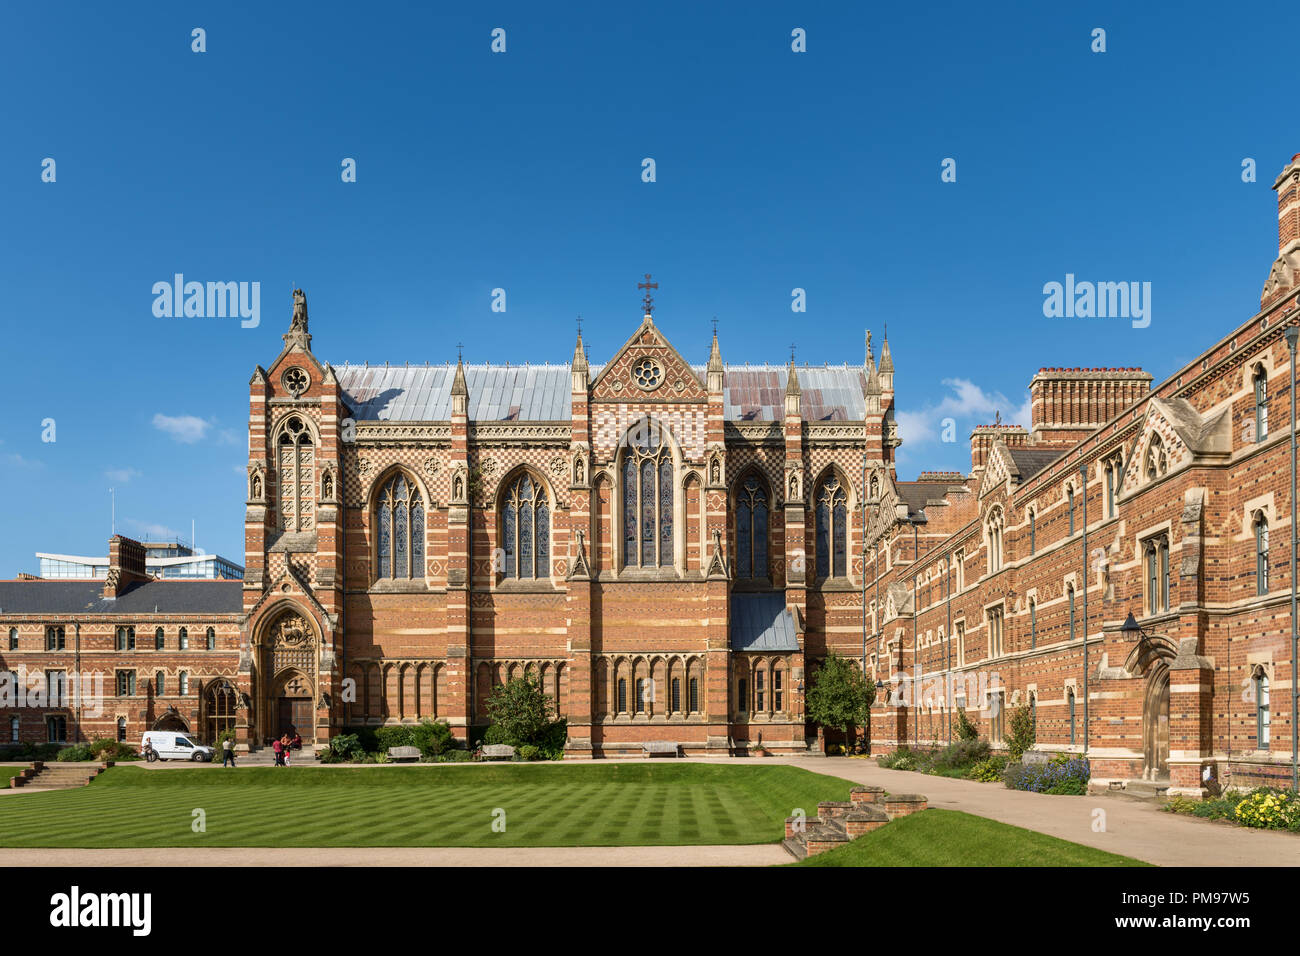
[1068,404]
[125,565]
[1284,277]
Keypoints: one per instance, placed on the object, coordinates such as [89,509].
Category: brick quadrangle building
[671,549]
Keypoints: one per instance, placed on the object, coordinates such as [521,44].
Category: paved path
[763,854]
[1134,828]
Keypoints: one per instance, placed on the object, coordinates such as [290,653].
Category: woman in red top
[279,752]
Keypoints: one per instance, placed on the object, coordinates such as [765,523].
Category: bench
[498,751]
[399,754]
[652,747]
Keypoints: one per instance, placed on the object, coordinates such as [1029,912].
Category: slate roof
[84,597]
[542,392]
[762,622]
[1030,461]
[917,494]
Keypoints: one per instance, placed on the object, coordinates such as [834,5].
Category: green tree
[841,697]
[521,709]
[1023,732]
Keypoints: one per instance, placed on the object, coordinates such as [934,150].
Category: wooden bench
[652,747]
[400,754]
[498,751]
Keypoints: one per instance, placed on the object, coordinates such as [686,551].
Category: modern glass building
[163,559]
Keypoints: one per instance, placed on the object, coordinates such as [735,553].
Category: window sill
[516,586]
[400,586]
[836,584]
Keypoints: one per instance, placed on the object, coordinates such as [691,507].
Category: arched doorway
[171,720]
[1155,724]
[295,708]
[287,695]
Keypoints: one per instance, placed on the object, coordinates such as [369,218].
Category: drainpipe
[947,659]
[1292,336]
[1087,727]
[916,646]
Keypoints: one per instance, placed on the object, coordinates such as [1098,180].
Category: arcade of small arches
[402,690]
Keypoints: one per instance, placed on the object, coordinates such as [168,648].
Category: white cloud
[184,428]
[968,405]
[18,461]
[121,475]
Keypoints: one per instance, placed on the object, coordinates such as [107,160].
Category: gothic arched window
[526,529]
[400,519]
[1156,556]
[647,500]
[1261,553]
[995,540]
[832,518]
[1157,460]
[1261,403]
[297,464]
[751,529]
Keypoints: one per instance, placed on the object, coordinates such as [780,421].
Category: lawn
[616,804]
[952,838]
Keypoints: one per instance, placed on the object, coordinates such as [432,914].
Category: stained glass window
[400,548]
[832,529]
[629,511]
[527,529]
[647,500]
[751,529]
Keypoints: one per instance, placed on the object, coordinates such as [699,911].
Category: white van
[173,745]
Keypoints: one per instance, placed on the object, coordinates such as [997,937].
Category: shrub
[1069,777]
[343,748]
[965,729]
[76,752]
[394,736]
[365,737]
[989,769]
[1023,732]
[521,709]
[106,748]
[904,758]
[1266,808]
[961,755]
[433,738]
[553,738]
[497,734]
[530,752]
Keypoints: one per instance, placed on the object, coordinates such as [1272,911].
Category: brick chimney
[1284,276]
[1070,403]
[125,565]
[983,438]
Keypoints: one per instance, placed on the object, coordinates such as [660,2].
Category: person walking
[149,754]
[286,750]
[279,752]
[227,752]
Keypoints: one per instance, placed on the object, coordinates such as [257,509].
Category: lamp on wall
[1133,631]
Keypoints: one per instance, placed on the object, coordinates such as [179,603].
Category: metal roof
[422,393]
[762,622]
[542,392]
[85,596]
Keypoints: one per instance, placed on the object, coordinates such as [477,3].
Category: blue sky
[775,170]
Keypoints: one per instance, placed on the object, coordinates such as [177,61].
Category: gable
[648,369]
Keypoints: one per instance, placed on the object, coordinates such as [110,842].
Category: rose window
[296,381]
[647,374]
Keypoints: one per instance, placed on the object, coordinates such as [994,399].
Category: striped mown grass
[613,804]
